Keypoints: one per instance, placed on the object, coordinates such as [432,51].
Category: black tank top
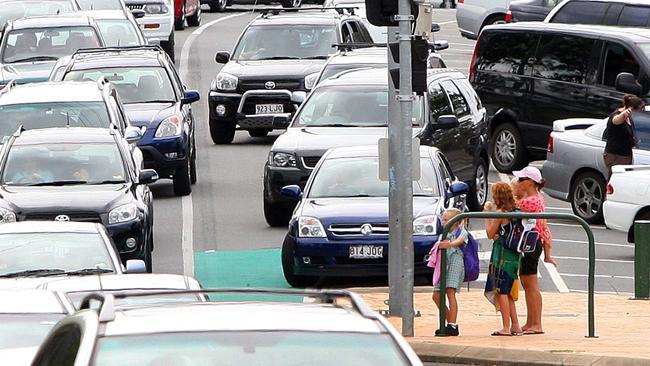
[620,138]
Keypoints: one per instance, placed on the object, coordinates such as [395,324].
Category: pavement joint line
[597,259]
[597,243]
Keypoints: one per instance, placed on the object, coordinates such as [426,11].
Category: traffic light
[381,12]
[419,58]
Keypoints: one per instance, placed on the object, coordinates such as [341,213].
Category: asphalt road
[224,212]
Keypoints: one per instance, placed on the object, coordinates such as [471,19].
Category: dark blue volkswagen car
[340,226]
[154,98]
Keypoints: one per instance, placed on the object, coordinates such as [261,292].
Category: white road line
[599,227]
[597,243]
[504,177]
[556,278]
[187,208]
[597,259]
[597,276]
[559,208]
[447,22]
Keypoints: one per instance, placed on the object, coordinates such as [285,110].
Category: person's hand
[445,244]
[489,206]
[548,259]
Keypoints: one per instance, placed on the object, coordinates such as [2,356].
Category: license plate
[366,251]
[269,108]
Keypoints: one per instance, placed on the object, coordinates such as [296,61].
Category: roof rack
[107,301]
[276,11]
[351,46]
[116,49]
[19,131]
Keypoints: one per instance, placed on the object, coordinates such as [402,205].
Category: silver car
[574,169]
[473,15]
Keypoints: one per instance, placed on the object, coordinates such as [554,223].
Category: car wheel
[194,20]
[182,179]
[222,132]
[193,167]
[168,47]
[507,148]
[258,133]
[495,19]
[148,261]
[179,24]
[587,197]
[479,189]
[276,215]
[291,3]
[288,267]
[218,5]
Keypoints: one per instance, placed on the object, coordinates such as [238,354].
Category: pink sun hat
[529,172]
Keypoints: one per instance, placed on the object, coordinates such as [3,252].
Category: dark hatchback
[273,66]
[79,174]
[531,74]
[530,10]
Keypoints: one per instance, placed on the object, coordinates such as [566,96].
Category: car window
[613,14]
[642,130]
[61,347]
[331,69]
[118,32]
[581,12]
[134,84]
[470,94]
[100,4]
[506,52]
[32,329]
[47,43]
[438,102]
[563,58]
[60,163]
[280,42]
[12,10]
[355,32]
[458,102]
[617,60]
[634,16]
[445,168]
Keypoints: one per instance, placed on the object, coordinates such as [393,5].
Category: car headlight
[123,213]
[283,160]
[155,9]
[310,80]
[425,225]
[7,216]
[169,127]
[225,82]
[310,227]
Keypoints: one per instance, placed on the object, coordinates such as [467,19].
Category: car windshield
[47,44]
[359,177]
[343,106]
[37,253]
[118,32]
[241,348]
[282,42]
[63,164]
[100,4]
[134,84]
[56,114]
[12,10]
[32,329]
[332,69]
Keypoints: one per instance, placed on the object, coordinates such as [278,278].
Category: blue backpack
[470,254]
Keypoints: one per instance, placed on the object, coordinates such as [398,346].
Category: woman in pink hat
[527,187]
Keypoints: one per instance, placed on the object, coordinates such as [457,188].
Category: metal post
[641,259]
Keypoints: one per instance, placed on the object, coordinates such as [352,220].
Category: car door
[463,163]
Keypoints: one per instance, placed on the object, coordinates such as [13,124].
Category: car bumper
[275,178]
[157,28]
[241,108]
[324,257]
[121,232]
[558,179]
[165,155]
[619,216]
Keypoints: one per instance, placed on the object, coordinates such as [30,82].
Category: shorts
[530,261]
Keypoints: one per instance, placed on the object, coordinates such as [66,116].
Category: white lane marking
[597,243]
[187,207]
[559,208]
[504,177]
[599,227]
[597,276]
[447,22]
[597,259]
[556,278]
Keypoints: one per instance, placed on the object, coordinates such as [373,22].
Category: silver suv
[473,15]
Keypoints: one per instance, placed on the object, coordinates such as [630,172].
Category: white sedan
[628,198]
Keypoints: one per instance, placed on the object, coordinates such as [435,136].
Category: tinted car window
[297,41]
[617,60]
[461,108]
[578,12]
[612,15]
[634,16]
[470,94]
[47,43]
[505,52]
[563,58]
[438,102]
[642,130]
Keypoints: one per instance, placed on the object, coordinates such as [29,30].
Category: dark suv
[274,64]
[531,74]
[628,13]
[350,109]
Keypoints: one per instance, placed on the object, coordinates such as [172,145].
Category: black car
[531,10]
[79,174]
[351,109]
[274,64]
[626,13]
[531,74]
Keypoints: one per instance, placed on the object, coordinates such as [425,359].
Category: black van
[531,74]
[624,13]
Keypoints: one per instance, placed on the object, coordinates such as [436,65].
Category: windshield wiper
[315,58]
[34,273]
[88,271]
[279,58]
[110,181]
[35,58]
[59,183]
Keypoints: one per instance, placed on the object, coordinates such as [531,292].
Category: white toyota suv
[158,23]
[628,198]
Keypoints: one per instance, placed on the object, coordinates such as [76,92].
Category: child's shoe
[452,330]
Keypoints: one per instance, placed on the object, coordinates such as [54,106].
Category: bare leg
[514,320]
[533,303]
[436,299]
[452,314]
[504,307]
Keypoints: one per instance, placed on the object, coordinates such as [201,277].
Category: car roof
[146,56]
[112,282]
[85,91]
[103,14]
[303,17]
[48,227]
[51,21]
[66,135]
[627,33]
[227,316]
[379,76]
[367,151]
[30,302]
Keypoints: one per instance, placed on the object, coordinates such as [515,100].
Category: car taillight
[471,63]
[610,189]
[461,1]
[549,147]
[508,15]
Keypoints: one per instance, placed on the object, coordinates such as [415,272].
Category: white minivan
[473,15]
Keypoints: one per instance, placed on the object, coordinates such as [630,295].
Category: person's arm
[460,240]
[622,117]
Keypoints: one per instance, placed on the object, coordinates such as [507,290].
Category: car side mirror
[138,13]
[435,27]
[190,96]
[298,97]
[446,122]
[222,57]
[281,121]
[147,176]
[133,134]
[292,191]
[136,266]
[457,189]
[626,83]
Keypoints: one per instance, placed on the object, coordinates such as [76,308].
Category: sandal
[530,332]
[497,333]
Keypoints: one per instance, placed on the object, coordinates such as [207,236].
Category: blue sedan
[340,226]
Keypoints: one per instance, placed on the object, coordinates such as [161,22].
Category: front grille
[74,216]
[246,85]
[356,230]
[310,161]
[135,6]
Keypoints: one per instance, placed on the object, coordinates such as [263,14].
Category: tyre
[222,132]
[218,5]
[291,3]
[276,215]
[258,133]
[168,47]
[495,19]
[507,148]
[193,167]
[194,20]
[587,197]
[179,23]
[148,261]
[479,188]
[288,264]
[182,179]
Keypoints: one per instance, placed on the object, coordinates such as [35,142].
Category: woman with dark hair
[620,133]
